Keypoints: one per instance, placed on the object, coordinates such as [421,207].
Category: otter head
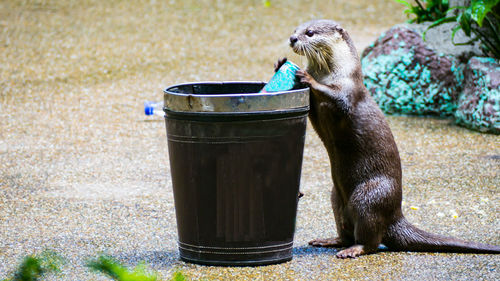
[326,45]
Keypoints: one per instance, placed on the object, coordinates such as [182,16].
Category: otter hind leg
[368,236]
[366,243]
[370,213]
[344,227]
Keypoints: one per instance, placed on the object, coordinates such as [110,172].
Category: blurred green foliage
[425,10]
[112,268]
[116,271]
[480,21]
[34,267]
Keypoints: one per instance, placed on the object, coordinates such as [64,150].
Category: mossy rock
[406,76]
[479,104]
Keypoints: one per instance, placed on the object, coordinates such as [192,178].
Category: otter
[365,163]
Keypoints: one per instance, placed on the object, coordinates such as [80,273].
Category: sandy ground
[83,172]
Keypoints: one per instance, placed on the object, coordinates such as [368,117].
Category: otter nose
[293,40]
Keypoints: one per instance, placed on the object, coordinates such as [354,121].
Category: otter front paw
[304,77]
[279,63]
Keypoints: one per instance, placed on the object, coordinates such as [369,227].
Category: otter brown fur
[365,164]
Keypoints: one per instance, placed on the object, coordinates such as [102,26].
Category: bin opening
[217,88]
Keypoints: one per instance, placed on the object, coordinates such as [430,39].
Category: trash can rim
[233,102]
[166,90]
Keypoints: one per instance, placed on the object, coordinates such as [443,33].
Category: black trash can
[235,160]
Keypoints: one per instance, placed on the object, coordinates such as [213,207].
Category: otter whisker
[309,56]
[322,61]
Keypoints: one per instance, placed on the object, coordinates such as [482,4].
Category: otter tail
[403,236]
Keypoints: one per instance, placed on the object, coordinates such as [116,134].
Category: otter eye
[309,33]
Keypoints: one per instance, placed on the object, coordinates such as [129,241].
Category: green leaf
[115,270]
[178,276]
[29,270]
[454,30]
[480,8]
[464,19]
[439,22]
[34,267]
[493,25]
[443,20]
[462,43]
[404,3]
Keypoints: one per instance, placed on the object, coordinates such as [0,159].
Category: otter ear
[340,29]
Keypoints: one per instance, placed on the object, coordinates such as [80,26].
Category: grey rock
[439,39]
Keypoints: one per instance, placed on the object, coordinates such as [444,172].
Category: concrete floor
[83,172]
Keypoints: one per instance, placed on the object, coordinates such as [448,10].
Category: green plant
[116,271]
[178,276]
[431,11]
[34,267]
[480,19]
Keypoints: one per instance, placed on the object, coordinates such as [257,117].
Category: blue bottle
[153,108]
[283,80]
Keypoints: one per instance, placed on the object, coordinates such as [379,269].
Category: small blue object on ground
[153,108]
